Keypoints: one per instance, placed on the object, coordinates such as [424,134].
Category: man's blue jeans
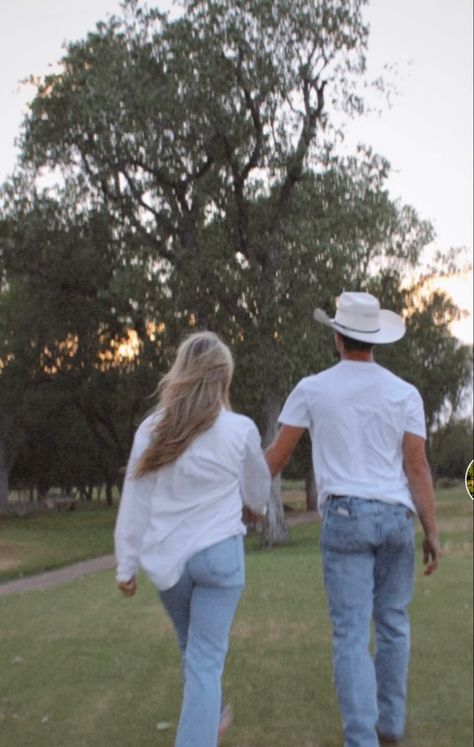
[368,560]
[202,606]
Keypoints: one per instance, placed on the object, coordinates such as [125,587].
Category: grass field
[83,667]
[33,544]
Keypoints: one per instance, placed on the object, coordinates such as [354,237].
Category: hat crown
[360,317]
[358,312]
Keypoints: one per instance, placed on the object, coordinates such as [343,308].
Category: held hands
[128,588]
[249,517]
[431,553]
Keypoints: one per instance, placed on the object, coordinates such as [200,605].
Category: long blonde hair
[191,396]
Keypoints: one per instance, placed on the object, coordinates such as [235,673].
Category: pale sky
[427,135]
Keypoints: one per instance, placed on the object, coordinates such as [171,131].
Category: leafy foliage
[198,186]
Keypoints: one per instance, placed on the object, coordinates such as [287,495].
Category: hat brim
[392,328]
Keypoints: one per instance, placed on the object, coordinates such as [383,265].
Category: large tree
[172,125]
[206,140]
[208,143]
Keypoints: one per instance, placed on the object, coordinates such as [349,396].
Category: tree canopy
[198,186]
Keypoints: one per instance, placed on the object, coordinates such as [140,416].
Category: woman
[192,464]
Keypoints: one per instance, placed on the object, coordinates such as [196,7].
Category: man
[368,434]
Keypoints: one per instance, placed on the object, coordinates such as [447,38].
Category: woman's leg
[177,602]
[218,578]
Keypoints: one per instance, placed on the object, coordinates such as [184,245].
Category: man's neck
[357,355]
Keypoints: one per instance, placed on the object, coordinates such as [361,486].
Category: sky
[427,134]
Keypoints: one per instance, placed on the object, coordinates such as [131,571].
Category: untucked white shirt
[166,516]
[357,413]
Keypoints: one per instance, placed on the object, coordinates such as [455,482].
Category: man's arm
[421,486]
[282,447]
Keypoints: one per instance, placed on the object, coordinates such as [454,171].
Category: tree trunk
[310,488]
[275,528]
[3,478]
[109,493]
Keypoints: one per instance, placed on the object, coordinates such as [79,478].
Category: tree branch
[294,172]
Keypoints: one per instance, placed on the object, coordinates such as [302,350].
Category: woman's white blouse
[166,516]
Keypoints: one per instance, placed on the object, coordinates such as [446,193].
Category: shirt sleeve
[295,410]
[415,415]
[255,482]
[134,512]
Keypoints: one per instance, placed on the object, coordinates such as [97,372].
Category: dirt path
[59,576]
[95,565]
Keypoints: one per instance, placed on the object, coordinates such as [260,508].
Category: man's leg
[394,571]
[350,610]
[348,563]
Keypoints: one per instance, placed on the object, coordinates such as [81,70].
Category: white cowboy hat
[360,317]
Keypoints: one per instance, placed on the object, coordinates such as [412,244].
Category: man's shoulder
[397,381]
[313,380]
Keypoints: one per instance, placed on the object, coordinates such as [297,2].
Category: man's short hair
[356,345]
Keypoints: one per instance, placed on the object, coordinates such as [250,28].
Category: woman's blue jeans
[368,560]
[202,606]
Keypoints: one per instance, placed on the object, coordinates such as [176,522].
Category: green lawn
[83,667]
[32,544]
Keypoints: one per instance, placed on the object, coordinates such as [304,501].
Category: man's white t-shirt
[357,413]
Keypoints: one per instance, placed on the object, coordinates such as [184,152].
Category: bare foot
[226,720]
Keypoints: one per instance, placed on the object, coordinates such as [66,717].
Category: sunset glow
[459,287]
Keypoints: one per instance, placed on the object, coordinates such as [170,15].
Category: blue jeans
[368,555]
[202,606]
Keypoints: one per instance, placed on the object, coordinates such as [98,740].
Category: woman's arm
[255,477]
[133,517]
